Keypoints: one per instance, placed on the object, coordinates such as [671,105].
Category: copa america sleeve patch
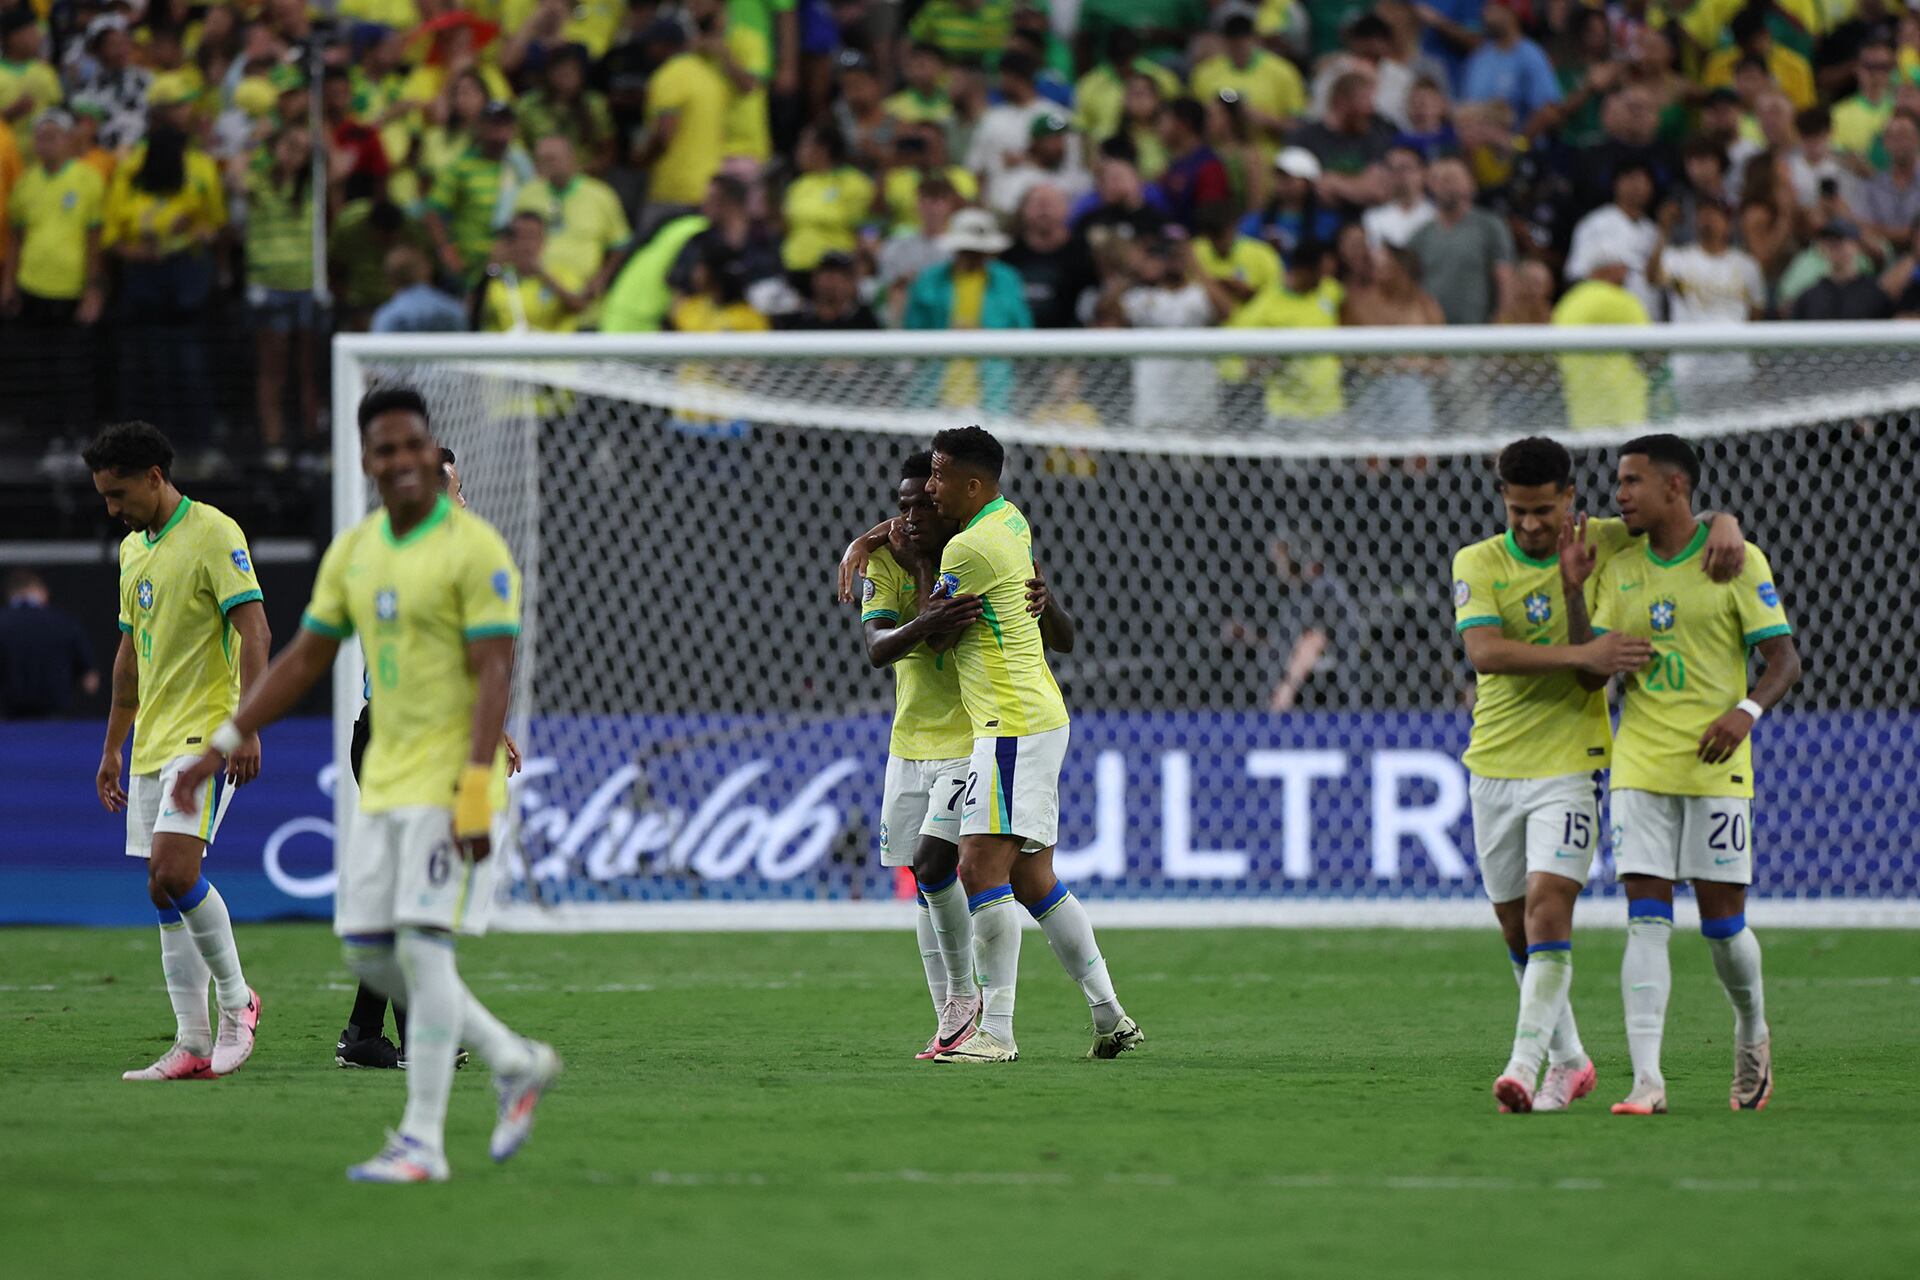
[867,591]
[1768,596]
[502,583]
[947,587]
[1461,593]
[240,560]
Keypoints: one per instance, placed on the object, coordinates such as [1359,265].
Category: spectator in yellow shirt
[1271,94]
[27,83]
[718,301]
[50,276]
[1751,38]
[1606,389]
[686,123]
[923,100]
[586,224]
[1859,120]
[826,204]
[519,293]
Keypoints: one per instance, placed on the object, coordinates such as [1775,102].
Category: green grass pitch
[1309,1103]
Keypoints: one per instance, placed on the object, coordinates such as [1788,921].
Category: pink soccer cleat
[933,1047]
[958,1021]
[1752,1076]
[1645,1100]
[1565,1084]
[234,1043]
[1513,1094]
[175,1064]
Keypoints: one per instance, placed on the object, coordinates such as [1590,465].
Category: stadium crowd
[743,165]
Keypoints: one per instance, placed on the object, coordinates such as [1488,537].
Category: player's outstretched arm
[1782,672]
[939,620]
[249,620]
[853,564]
[490,658]
[1057,631]
[1725,553]
[126,702]
[297,669]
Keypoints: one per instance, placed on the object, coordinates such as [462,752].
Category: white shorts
[1683,837]
[1013,788]
[922,798]
[1523,825]
[401,867]
[151,811]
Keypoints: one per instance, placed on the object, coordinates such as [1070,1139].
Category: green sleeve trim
[1599,631]
[871,614]
[1482,621]
[497,629]
[328,629]
[1767,633]
[127,627]
[233,602]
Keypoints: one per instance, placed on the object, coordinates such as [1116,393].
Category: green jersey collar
[1513,549]
[440,509]
[1699,540]
[982,514]
[179,514]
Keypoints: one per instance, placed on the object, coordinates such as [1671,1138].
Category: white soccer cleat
[1565,1084]
[1513,1094]
[1645,1100]
[175,1064]
[981,1046]
[1752,1076]
[233,1045]
[959,1019]
[403,1159]
[519,1095]
[1125,1035]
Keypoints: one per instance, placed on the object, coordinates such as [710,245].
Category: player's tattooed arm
[1725,552]
[853,563]
[1782,672]
[1057,630]
[249,621]
[126,702]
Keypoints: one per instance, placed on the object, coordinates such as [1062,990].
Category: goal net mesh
[700,721]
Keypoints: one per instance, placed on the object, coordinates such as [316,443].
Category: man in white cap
[972,291]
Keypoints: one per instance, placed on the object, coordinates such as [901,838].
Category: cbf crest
[386,604]
[144,592]
[1539,608]
[1661,614]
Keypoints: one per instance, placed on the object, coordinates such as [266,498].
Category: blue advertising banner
[1154,806]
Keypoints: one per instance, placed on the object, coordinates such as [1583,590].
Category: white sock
[953,927]
[434,1005]
[996,957]
[1070,934]
[1736,958]
[1543,995]
[1646,979]
[1564,1048]
[187,978]
[932,959]
[205,913]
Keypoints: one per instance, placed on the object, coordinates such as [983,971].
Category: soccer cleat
[1752,1076]
[959,1019]
[374,1052]
[1565,1084]
[402,1160]
[933,1047]
[1125,1035]
[234,1043]
[1514,1094]
[1645,1100]
[460,1057]
[175,1064]
[519,1095]
[981,1046]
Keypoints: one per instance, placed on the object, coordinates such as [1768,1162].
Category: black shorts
[362,735]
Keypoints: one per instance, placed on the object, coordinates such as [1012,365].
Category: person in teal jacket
[972,291]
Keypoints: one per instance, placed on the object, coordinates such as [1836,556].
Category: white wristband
[1751,707]
[226,739]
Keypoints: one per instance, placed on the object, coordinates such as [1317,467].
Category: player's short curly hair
[394,399]
[918,466]
[1668,450]
[128,448]
[972,446]
[1535,460]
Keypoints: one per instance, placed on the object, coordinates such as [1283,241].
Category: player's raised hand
[1615,654]
[243,766]
[1576,556]
[1038,597]
[186,785]
[1725,552]
[853,562]
[1724,736]
[106,782]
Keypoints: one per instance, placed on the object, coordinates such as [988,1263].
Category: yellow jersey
[585,223]
[1609,389]
[417,602]
[823,214]
[689,88]
[176,590]
[1531,726]
[55,214]
[1005,684]
[1247,261]
[1701,631]
[1297,386]
[929,720]
[1268,83]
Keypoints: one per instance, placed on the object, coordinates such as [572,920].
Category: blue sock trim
[940,886]
[1650,908]
[1720,929]
[920,899]
[168,915]
[429,933]
[1548,946]
[367,939]
[988,897]
[1059,894]
[194,896]
[1518,957]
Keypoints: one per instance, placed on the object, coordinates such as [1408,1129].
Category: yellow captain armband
[472,802]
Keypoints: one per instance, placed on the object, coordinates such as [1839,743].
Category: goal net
[1254,531]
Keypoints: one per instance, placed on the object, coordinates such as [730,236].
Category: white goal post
[705,738]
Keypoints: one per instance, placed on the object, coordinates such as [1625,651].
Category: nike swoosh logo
[1562,853]
[946,819]
[1628,586]
[1499,586]
[947,1042]
[1721,862]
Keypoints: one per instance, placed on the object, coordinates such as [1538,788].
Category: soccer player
[1011,802]
[1539,741]
[928,762]
[193,638]
[435,597]
[1683,765]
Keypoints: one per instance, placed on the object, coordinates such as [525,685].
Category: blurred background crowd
[195,195]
